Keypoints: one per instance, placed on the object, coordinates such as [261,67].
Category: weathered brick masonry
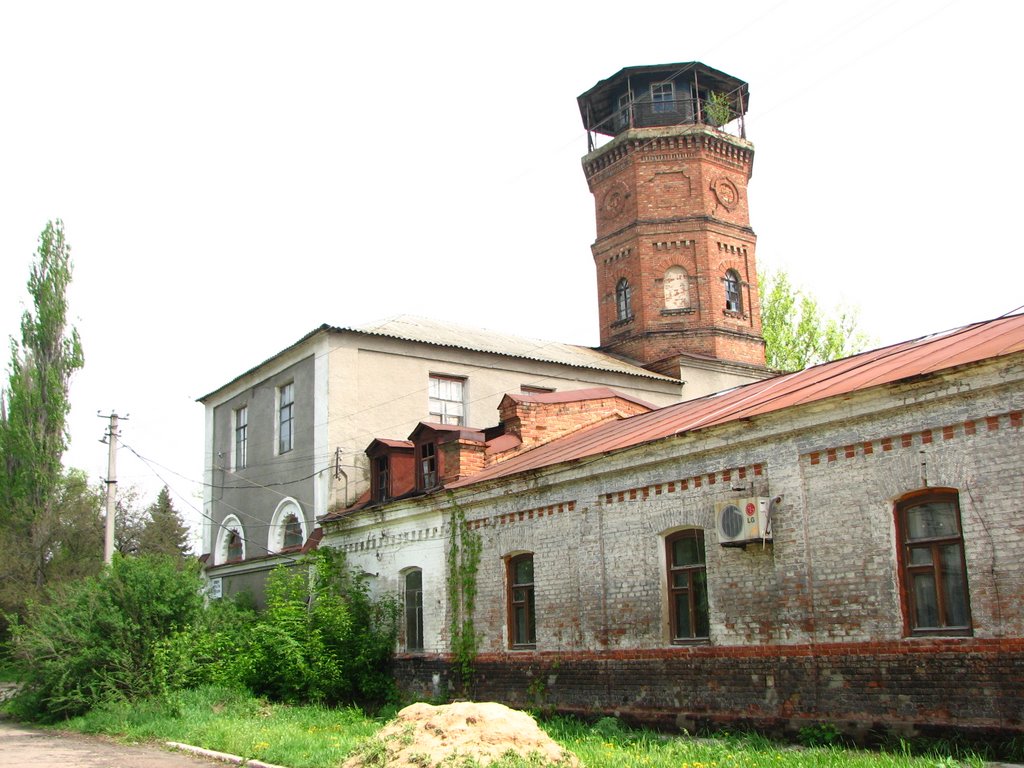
[808,627]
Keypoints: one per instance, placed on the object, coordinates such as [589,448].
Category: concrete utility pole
[112,435]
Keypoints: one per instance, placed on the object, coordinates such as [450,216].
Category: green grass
[315,737]
[235,722]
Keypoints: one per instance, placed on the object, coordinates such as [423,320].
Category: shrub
[97,640]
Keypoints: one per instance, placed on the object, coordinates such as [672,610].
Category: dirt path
[21,746]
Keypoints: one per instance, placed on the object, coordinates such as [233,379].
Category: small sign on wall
[216,589]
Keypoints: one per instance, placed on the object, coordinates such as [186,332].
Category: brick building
[840,544]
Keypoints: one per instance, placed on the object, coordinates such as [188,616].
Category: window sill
[624,321]
[691,641]
[940,632]
[529,647]
[734,315]
[680,311]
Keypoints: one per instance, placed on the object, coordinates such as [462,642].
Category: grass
[315,737]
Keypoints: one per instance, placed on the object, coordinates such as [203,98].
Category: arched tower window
[676,286]
[230,542]
[733,295]
[288,527]
[623,300]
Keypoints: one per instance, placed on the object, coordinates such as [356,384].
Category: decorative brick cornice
[645,492]
[1011,419]
[667,244]
[522,516]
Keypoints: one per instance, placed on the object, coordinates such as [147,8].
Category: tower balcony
[665,95]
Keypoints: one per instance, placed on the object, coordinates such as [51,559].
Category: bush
[322,638]
[97,640]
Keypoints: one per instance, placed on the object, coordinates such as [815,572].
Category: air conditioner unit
[742,521]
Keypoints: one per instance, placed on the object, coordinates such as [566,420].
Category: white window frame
[286,508]
[239,458]
[230,524]
[442,406]
[659,104]
[278,405]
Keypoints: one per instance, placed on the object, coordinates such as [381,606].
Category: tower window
[676,286]
[663,97]
[687,585]
[933,570]
[733,297]
[447,400]
[623,300]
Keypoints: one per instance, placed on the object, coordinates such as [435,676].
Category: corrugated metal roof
[421,329]
[910,359]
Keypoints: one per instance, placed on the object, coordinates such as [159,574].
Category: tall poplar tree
[33,413]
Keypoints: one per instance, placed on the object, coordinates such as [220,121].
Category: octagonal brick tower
[676,273]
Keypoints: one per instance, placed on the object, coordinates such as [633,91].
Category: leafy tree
[164,531]
[129,520]
[797,333]
[33,432]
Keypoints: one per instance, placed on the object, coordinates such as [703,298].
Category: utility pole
[112,435]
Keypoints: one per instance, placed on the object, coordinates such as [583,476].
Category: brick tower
[676,274]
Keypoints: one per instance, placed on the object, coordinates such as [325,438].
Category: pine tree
[165,532]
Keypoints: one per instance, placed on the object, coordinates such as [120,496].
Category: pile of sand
[423,736]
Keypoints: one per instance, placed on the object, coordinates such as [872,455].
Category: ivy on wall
[464,548]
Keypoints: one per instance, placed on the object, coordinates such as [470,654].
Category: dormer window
[381,479]
[428,466]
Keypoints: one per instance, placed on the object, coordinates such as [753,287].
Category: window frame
[382,478]
[733,291]
[446,410]
[659,104]
[623,301]
[698,614]
[240,444]
[426,455]
[285,418]
[933,544]
[279,526]
[231,531]
[417,611]
[528,603]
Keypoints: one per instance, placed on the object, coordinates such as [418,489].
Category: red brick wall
[865,689]
[676,201]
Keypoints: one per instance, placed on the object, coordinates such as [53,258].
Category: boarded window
[677,288]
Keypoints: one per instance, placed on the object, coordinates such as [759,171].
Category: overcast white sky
[233,174]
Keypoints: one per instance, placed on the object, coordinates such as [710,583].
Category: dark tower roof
[600,106]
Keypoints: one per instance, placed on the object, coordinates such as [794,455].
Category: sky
[231,175]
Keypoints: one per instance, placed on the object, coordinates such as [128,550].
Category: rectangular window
[622,116]
[382,479]
[522,620]
[663,97]
[934,573]
[414,611]
[428,466]
[241,438]
[286,418]
[447,403]
[687,586]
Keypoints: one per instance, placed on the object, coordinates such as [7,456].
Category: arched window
[414,610]
[676,286]
[733,296]
[288,526]
[687,585]
[230,542]
[933,572]
[623,300]
[522,618]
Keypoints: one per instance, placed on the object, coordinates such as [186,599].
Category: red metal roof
[928,354]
